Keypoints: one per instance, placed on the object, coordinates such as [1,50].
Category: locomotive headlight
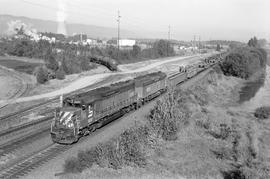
[70,124]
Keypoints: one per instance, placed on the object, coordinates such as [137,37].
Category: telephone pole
[169,38]
[169,33]
[199,47]
[118,37]
[194,43]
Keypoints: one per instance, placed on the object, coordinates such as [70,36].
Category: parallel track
[30,162]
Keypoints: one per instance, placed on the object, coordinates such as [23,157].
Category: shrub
[130,144]
[125,150]
[41,75]
[167,116]
[262,112]
[244,62]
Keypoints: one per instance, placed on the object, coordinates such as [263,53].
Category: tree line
[63,58]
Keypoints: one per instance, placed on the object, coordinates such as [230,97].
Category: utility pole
[169,39]
[199,44]
[118,37]
[169,33]
[194,44]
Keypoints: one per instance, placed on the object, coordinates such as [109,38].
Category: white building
[127,42]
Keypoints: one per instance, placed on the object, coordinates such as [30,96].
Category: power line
[40,5]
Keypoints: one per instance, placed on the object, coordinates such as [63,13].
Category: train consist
[83,113]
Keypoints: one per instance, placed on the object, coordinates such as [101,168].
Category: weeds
[127,149]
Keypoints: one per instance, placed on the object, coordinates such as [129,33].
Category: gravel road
[89,80]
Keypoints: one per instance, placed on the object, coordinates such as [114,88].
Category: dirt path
[89,80]
[55,165]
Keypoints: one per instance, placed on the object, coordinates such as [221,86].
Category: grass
[20,66]
[185,136]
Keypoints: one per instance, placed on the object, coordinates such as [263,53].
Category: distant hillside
[51,26]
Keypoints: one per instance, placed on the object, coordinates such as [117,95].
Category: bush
[131,142]
[167,116]
[262,112]
[244,62]
[41,75]
[125,150]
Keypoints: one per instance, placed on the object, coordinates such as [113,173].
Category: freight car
[85,112]
[191,70]
[177,78]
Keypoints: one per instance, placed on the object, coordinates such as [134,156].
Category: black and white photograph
[135,89]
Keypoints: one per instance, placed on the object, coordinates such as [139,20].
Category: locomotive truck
[83,113]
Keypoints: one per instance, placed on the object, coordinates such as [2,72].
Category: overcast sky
[211,19]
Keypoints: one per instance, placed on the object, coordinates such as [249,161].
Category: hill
[51,26]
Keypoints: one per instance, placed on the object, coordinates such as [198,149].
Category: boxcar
[150,85]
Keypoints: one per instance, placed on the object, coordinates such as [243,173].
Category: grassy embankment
[20,66]
[192,133]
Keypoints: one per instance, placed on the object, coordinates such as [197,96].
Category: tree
[51,63]
[136,51]
[218,47]
[253,42]
[41,75]
[163,48]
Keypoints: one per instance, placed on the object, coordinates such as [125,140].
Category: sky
[209,19]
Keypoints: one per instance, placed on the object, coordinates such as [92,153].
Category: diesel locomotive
[83,113]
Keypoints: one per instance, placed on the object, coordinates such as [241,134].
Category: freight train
[83,113]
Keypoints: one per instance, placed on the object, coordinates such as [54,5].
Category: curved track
[23,90]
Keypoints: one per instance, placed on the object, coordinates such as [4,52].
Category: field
[20,66]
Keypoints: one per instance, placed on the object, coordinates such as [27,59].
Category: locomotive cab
[64,126]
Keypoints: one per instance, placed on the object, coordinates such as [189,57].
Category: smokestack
[61,17]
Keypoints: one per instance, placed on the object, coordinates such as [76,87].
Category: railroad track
[21,91]
[29,162]
[26,110]
[15,134]
[32,161]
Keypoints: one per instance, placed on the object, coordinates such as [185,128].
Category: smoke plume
[61,17]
